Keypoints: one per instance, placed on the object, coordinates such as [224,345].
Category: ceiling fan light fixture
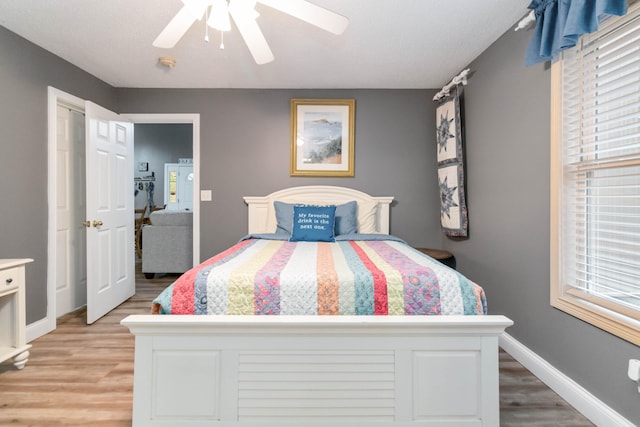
[219,16]
[244,15]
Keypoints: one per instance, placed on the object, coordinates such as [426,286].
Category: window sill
[617,324]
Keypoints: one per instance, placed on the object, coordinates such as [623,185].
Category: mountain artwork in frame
[322,137]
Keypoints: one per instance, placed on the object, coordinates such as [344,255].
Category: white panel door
[178,186]
[109,192]
[186,187]
[71,277]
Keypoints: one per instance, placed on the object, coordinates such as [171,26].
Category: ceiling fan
[218,14]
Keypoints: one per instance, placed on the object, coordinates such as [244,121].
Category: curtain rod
[459,79]
[526,21]
[462,77]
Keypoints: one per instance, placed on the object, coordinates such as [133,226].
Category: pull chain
[206,26]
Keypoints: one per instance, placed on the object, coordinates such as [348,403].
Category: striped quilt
[353,277]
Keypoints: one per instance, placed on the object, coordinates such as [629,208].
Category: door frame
[181,118]
[54,98]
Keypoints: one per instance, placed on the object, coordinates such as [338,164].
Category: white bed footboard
[342,371]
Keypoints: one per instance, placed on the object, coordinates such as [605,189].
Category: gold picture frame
[322,137]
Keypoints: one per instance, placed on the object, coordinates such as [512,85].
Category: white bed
[339,371]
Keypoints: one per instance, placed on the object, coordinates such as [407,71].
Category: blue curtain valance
[560,23]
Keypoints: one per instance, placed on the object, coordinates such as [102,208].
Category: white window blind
[599,222]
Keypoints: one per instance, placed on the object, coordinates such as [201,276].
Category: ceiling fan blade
[311,13]
[254,38]
[191,12]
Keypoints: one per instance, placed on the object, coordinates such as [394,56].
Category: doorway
[90,258]
[163,158]
[194,121]
[59,98]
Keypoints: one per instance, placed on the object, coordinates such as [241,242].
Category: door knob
[97,223]
[86,223]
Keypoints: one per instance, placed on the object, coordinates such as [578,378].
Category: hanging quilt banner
[451,180]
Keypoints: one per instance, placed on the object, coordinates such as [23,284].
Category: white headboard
[262,218]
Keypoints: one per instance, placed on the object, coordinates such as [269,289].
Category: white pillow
[367,217]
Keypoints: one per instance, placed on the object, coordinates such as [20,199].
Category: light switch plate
[205,195]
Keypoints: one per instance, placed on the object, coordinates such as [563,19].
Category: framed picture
[322,137]
[143,167]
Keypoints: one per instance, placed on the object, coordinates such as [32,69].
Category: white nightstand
[12,312]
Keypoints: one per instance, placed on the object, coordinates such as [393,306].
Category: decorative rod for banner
[526,21]
[460,79]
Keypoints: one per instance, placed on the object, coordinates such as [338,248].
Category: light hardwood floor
[82,375]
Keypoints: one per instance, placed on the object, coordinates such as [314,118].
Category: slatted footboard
[311,371]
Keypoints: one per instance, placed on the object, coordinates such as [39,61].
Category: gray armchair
[167,244]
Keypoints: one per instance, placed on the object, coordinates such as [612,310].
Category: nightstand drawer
[10,279]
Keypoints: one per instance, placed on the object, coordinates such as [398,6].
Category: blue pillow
[284,217]
[313,224]
[346,218]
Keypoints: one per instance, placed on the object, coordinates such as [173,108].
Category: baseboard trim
[577,396]
[39,328]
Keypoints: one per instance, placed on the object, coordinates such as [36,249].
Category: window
[595,178]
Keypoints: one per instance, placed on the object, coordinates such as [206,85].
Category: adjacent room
[493,147]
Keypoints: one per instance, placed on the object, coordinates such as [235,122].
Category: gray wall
[157,144]
[245,151]
[25,72]
[507,145]
[245,144]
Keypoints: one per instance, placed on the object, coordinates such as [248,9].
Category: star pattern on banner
[443,133]
[446,197]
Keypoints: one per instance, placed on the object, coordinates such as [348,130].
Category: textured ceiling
[388,43]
